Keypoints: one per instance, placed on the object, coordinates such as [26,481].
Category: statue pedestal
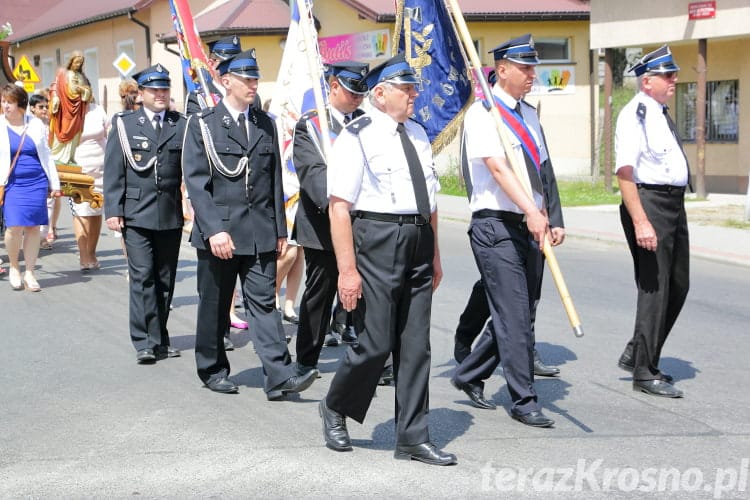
[78,186]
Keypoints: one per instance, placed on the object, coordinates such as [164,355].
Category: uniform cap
[243,64]
[225,48]
[351,75]
[154,77]
[658,61]
[395,70]
[519,50]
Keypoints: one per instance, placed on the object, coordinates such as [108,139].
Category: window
[49,69]
[553,50]
[91,68]
[722,106]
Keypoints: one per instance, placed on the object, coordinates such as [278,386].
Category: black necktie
[157,125]
[536,181]
[243,125]
[676,135]
[415,171]
[347,118]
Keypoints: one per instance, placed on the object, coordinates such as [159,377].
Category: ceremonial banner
[194,61]
[425,33]
[293,96]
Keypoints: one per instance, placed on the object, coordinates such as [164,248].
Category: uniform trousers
[662,277]
[477,312]
[321,283]
[392,317]
[509,262]
[152,268]
[216,283]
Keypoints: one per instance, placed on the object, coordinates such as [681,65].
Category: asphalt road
[79,418]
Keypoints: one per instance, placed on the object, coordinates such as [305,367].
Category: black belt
[397,218]
[511,217]
[665,188]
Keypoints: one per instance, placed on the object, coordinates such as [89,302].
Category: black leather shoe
[145,356]
[228,345]
[425,453]
[302,369]
[334,428]
[657,388]
[164,352]
[534,419]
[476,395]
[293,318]
[387,376]
[626,363]
[460,350]
[223,385]
[332,339]
[542,370]
[339,328]
[298,383]
[349,335]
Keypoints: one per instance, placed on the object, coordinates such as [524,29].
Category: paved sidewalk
[602,222]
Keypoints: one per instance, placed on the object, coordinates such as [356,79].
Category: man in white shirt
[652,171]
[506,231]
[382,186]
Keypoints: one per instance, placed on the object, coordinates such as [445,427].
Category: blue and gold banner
[425,33]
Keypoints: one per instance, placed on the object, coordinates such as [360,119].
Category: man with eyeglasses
[653,172]
[382,186]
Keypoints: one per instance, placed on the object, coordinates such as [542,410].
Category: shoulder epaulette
[640,111]
[125,112]
[356,125]
[205,112]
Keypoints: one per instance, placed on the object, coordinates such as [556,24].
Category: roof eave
[77,24]
[171,38]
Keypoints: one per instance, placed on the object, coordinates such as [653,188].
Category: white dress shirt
[649,146]
[483,141]
[370,169]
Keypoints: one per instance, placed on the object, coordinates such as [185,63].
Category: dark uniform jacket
[150,199]
[312,227]
[250,207]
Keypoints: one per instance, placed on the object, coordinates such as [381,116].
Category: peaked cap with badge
[225,48]
[351,75]
[658,61]
[156,77]
[518,50]
[244,65]
[394,70]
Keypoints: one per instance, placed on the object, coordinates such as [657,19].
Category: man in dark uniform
[233,174]
[652,171]
[507,227]
[219,51]
[312,228]
[477,310]
[142,199]
[388,260]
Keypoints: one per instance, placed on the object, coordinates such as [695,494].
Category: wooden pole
[520,172]
[306,26]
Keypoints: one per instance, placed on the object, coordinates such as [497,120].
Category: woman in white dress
[89,155]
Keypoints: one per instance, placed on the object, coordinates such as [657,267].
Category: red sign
[701,10]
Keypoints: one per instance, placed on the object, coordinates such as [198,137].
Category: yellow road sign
[124,64]
[24,72]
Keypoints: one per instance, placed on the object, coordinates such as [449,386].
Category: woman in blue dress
[33,178]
